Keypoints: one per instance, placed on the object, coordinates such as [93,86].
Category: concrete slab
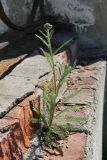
[21,80]
[32,67]
[34,60]
[16,86]
[5,104]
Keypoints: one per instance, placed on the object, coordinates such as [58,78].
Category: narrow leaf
[63,45]
[43,34]
[34,120]
[69,96]
[67,70]
[48,57]
[51,33]
[66,109]
[72,108]
[43,41]
[76,119]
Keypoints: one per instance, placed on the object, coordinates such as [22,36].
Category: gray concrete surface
[98,133]
[105,123]
[88,16]
[94,141]
[17,11]
[21,81]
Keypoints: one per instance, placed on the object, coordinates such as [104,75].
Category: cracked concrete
[21,80]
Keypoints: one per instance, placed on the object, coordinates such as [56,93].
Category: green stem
[51,52]
[49,43]
[51,117]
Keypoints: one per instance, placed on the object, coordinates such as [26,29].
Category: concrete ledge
[91,81]
[94,141]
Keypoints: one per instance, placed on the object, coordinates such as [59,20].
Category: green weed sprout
[45,115]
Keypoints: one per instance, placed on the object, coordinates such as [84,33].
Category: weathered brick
[16,130]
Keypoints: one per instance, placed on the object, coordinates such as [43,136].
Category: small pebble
[78,67]
[67,146]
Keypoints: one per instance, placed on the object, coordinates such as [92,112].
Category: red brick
[20,130]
